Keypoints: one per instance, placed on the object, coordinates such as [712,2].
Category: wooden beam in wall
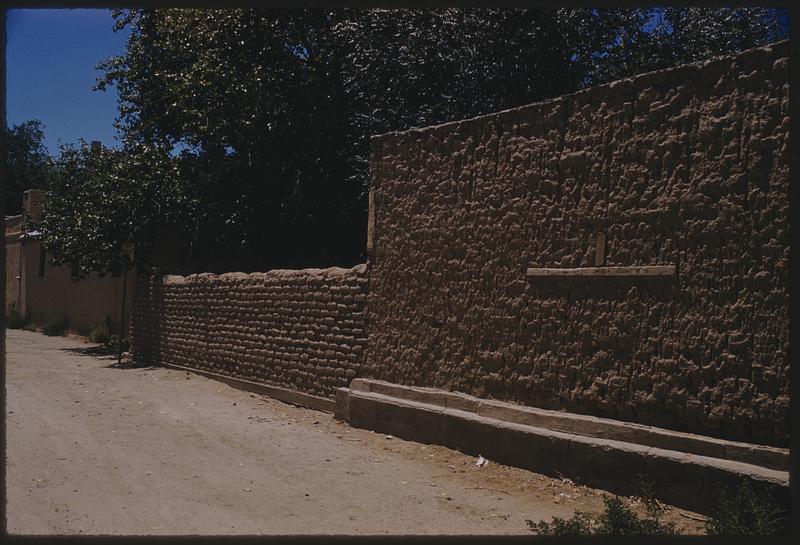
[645,270]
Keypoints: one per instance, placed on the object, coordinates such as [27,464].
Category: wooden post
[127,254]
[122,317]
[600,250]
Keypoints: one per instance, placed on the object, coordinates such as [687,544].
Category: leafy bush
[113,342]
[15,320]
[738,512]
[747,512]
[56,327]
[616,520]
[581,524]
[100,332]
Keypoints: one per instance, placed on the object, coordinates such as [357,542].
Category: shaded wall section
[52,293]
[45,292]
[13,263]
[686,167]
[301,329]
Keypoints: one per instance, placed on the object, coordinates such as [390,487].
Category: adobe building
[45,292]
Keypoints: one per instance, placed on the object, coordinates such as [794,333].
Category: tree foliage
[28,165]
[674,36]
[102,198]
[253,101]
[264,116]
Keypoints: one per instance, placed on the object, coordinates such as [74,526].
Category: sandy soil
[93,449]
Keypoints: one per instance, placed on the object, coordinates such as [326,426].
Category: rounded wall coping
[664,76]
[274,274]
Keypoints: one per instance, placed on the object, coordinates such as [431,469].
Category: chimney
[32,204]
[97,146]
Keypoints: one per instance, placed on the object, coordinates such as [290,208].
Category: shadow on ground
[105,353]
[124,365]
[94,350]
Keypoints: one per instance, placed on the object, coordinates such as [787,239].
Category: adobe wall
[301,329]
[56,294]
[84,302]
[686,167]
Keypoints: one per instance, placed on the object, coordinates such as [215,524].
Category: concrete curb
[682,478]
[275,392]
[592,426]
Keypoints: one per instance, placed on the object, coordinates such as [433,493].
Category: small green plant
[581,524]
[56,327]
[619,520]
[14,319]
[746,512]
[100,332]
[616,520]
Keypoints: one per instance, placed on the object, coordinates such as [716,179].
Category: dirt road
[92,449]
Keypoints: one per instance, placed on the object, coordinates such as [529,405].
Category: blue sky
[50,71]
[51,56]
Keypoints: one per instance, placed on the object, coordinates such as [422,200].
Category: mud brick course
[687,167]
[301,329]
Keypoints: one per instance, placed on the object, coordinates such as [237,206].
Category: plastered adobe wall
[56,294]
[83,302]
[687,166]
[302,329]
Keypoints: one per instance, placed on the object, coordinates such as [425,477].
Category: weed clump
[15,320]
[616,520]
[56,327]
[742,511]
[745,512]
[100,332]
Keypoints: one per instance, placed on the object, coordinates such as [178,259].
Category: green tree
[28,165]
[251,99]
[102,198]
[269,112]
[673,36]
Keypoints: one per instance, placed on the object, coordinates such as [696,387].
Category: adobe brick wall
[302,329]
[55,295]
[687,166]
[84,302]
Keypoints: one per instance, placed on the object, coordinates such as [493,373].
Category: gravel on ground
[96,449]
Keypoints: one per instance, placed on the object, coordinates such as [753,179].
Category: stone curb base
[604,453]
[276,392]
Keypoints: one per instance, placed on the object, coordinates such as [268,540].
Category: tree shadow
[93,350]
[106,353]
[131,366]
